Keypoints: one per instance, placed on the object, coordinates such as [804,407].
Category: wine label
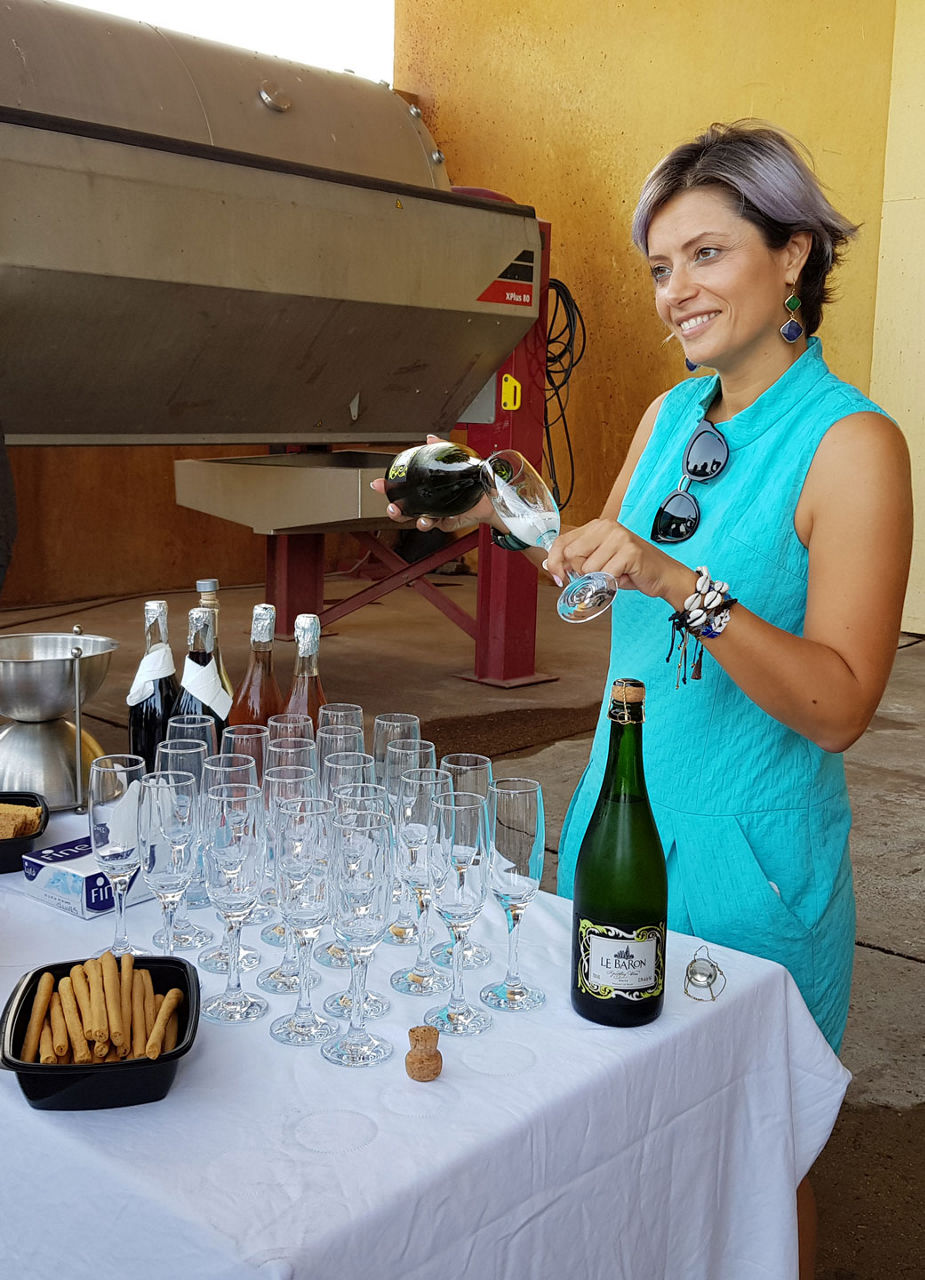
[153,667]
[615,964]
[205,684]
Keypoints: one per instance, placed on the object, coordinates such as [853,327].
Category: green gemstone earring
[791,329]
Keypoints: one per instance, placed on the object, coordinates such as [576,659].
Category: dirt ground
[870,1189]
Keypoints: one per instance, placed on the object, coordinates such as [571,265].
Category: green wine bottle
[621,886]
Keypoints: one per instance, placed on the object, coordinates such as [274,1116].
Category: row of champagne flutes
[426,828]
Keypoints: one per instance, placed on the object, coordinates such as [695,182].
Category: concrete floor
[401,654]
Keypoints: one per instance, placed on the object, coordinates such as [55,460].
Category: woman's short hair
[771,185]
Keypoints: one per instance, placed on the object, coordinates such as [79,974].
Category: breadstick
[72,1018]
[112,990]
[100,1050]
[40,1003]
[58,1026]
[139,1037]
[171,1035]
[114,1054]
[46,1048]
[82,996]
[156,1039]
[150,1011]
[128,966]
[99,1020]
[158,1001]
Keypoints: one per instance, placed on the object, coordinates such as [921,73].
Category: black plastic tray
[104,1084]
[11,851]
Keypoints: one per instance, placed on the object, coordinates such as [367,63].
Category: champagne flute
[343,768]
[292,751]
[235,840]
[360,881]
[460,856]
[281,784]
[335,738]
[473,773]
[248,740]
[526,506]
[167,826]
[226,769]
[387,728]
[517,830]
[187,755]
[414,822]
[302,890]
[199,727]
[113,791]
[361,797]
[290,724]
[402,754]
[339,715]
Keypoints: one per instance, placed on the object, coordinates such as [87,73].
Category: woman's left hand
[605,545]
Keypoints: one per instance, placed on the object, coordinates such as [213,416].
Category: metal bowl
[37,673]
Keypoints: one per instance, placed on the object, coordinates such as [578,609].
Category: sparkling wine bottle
[621,886]
[154,689]
[258,696]
[201,690]
[441,479]
[306,696]
[208,599]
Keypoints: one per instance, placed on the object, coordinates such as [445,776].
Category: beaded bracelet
[705,616]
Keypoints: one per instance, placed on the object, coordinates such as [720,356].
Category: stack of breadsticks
[100,1014]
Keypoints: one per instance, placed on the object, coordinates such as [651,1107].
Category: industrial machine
[199,244]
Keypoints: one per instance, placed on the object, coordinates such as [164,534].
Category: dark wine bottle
[201,690]
[621,886]
[208,599]
[258,696]
[441,479]
[306,694]
[154,689]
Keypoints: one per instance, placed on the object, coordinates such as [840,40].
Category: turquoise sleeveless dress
[753,817]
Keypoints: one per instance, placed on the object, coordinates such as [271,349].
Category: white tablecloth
[548,1147]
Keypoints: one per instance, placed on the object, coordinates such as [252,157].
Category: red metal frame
[504,628]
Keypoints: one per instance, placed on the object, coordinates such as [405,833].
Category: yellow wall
[898,372]
[567,107]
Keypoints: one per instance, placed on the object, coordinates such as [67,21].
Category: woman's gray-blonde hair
[770,184]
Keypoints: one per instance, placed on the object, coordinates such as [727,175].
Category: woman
[803,506]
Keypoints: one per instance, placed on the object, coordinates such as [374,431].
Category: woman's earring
[691,367]
[792,329]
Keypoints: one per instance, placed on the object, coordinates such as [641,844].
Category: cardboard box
[66,876]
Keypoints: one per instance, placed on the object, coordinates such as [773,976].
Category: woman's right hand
[482,513]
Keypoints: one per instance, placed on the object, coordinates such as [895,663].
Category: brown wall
[103,522]
[567,107]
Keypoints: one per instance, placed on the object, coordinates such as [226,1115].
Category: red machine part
[504,628]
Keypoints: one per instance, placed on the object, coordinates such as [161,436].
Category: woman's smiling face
[718,286]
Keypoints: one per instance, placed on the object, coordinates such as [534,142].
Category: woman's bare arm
[855,517]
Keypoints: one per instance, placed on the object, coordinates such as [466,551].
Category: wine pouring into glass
[441,479]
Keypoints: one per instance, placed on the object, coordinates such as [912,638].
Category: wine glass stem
[457,997]
[170,912]
[513,978]
[233,986]
[303,940]
[423,965]
[358,964]
[120,942]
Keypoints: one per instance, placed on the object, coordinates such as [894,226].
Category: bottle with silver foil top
[154,689]
[208,599]
[306,694]
[258,696]
[201,690]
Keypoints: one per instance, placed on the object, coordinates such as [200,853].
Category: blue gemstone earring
[692,368]
[791,330]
